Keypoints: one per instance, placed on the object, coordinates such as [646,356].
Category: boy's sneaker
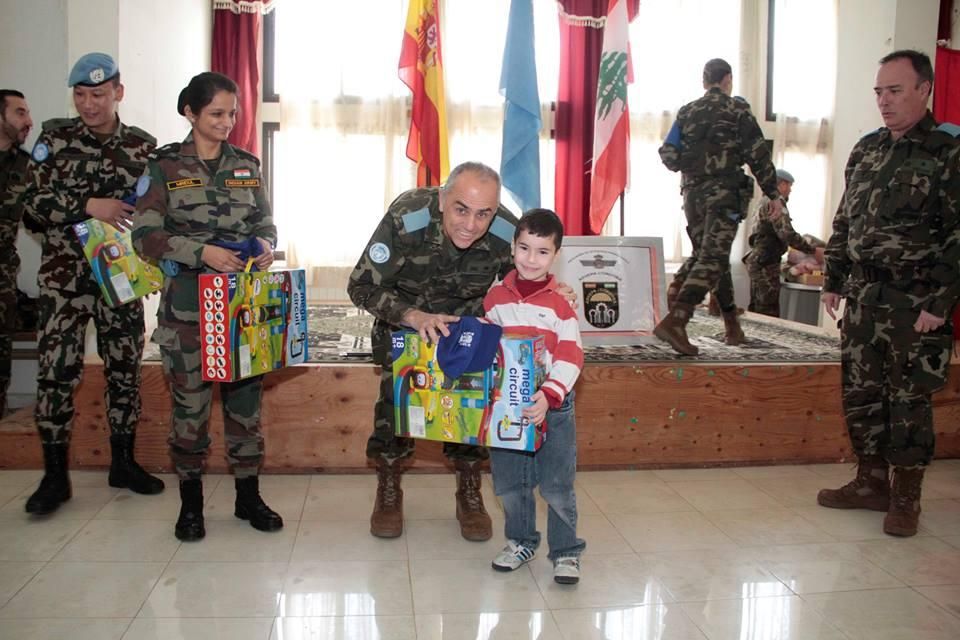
[513,556]
[566,570]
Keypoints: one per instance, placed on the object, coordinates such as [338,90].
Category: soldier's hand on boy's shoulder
[537,412]
[568,294]
[430,326]
[926,322]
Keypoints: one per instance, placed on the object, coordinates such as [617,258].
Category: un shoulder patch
[950,129]
[143,185]
[379,253]
[40,152]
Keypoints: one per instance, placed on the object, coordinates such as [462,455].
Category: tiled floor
[742,554]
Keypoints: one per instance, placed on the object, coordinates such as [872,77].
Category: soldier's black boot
[386,521]
[250,506]
[869,490]
[55,486]
[475,523]
[125,473]
[903,518]
[189,525]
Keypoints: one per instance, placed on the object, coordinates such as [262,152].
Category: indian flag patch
[242,173]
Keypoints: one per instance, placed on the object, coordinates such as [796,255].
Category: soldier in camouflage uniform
[710,141]
[15,125]
[895,257]
[768,241]
[200,194]
[432,258]
[80,168]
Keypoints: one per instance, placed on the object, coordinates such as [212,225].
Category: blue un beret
[786,176]
[93,69]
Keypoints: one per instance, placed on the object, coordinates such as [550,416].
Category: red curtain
[580,49]
[236,53]
[946,86]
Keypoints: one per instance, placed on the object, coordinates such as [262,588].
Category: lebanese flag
[421,69]
[611,133]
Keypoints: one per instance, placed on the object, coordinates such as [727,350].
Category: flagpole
[622,218]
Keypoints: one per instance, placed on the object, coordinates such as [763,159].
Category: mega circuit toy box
[252,323]
[122,275]
[481,408]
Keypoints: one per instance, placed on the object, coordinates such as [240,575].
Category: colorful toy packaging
[477,408]
[122,275]
[252,323]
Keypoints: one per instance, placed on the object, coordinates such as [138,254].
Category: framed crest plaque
[620,286]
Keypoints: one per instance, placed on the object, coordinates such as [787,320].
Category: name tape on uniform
[184,183]
[248,182]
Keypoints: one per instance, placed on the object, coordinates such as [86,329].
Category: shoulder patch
[950,129]
[243,153]
[167,150]
[379,253]
[40,152]
[503,229]
[57,123]
[416,220]
[140,133]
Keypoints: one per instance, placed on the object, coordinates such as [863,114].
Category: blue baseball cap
[471,347]
[93,69]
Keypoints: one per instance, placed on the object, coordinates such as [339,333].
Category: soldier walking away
[198,195]
[894,257]
[769,239]
[432,258]
[708,144]
[15,126]
[80,168]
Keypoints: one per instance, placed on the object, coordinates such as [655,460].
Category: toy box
[252,323]
[122,275]
[477,408]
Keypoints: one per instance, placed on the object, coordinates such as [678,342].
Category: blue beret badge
[41,152]
[379,253]
[143,185]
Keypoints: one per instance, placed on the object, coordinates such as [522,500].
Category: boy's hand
[538,411]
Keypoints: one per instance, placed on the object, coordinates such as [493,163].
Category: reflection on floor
[740,554]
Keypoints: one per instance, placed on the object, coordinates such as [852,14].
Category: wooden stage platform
[653,413]
[667,414]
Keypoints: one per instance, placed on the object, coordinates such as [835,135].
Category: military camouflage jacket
[13,169]
[410,264]
[68,166]
[713,137]
[770,238]
[896,233]
[185,206]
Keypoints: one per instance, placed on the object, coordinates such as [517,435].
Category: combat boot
[869,490]
[904,514]
[475,523]
[672,292]
[125,473]
[387,518]
[55,486]
[250,506]
[189,525]
[673,329]
[732,333]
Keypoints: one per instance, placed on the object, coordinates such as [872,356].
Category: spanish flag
[421,69]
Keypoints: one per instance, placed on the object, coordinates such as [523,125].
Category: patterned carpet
[340,333]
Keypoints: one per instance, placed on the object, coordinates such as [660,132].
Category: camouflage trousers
[889,372]
[64,317]
[9,265]
[384,442]
[179,339]
[711,231]
[764,288]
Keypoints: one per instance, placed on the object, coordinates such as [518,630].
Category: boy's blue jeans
[553,467]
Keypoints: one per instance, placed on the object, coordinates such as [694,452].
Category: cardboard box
[476,408]
[252,323]
[813,279]
[122,275]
